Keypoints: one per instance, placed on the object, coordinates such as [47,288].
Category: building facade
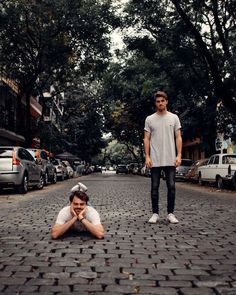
[11,132]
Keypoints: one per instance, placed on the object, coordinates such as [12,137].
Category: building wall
[11,129]
[9,134]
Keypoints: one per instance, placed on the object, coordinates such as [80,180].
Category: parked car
[69,169]
[87,170]
[18,169]
[137,169]
[147,172]
[142,171]
[79,169]
[131,167]
[180,172]
[97,168]
[122,169]
[220,168]
[60,168]
[192,174]
[42,159]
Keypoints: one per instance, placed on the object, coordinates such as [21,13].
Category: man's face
[78,205]
[161,104]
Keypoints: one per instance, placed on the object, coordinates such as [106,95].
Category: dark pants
[170,182]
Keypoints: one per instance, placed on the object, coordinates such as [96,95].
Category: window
[211,161]
[6,153]
[216,160]
[28,156]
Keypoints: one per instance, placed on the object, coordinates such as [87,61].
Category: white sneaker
[155,217]
[171,218]
[79,187]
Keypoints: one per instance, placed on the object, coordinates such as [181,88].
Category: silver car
[182,170]
[18,169]
[60,168]
[43,161]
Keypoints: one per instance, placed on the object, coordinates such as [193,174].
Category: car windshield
[186,163]
[229,159]
[6,153]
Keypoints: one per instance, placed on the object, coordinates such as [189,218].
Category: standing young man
[162,137]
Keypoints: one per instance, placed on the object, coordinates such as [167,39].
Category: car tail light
[15,161]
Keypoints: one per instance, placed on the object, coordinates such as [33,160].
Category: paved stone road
[197,256]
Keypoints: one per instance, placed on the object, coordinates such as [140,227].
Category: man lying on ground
[78,216]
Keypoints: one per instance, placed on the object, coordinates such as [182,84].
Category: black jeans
[170,182]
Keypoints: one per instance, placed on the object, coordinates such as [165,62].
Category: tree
[204,26]
[162,37]
[126,95]
[217,43]
[43,41]
[82,121]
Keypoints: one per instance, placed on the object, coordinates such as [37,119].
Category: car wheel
[54,178]
[219,182]
[41,182]
[234,182]
[200,181]
[23,188]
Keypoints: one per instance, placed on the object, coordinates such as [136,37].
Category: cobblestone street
[196,256]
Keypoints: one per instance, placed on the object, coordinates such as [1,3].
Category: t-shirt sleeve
[147,125]
[177,123]
[62,217]
[94,217]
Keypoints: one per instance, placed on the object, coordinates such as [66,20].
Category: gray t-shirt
[162,144]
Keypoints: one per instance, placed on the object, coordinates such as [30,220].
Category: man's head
[161,101]
[79,201]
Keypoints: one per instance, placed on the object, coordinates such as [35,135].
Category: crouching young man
[78,216]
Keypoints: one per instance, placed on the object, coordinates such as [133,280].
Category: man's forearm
[59,229]
[179,146]
[146,147]
[96,230]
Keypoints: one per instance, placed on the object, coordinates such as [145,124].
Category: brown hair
[160,94]
[81,195]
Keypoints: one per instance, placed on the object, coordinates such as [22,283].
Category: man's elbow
[100,235]
[54,234]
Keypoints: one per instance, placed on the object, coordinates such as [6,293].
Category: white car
[220,168]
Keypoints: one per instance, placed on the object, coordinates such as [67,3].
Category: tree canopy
[42,42]
[185,48]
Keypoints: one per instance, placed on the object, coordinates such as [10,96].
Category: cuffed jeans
[155,183]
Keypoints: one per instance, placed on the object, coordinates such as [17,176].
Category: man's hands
[178,161]
[82,214]
[79,215]
[148,162]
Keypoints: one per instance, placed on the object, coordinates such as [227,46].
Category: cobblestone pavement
[196,256]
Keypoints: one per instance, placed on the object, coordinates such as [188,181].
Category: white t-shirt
[162,144]
[91,215]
